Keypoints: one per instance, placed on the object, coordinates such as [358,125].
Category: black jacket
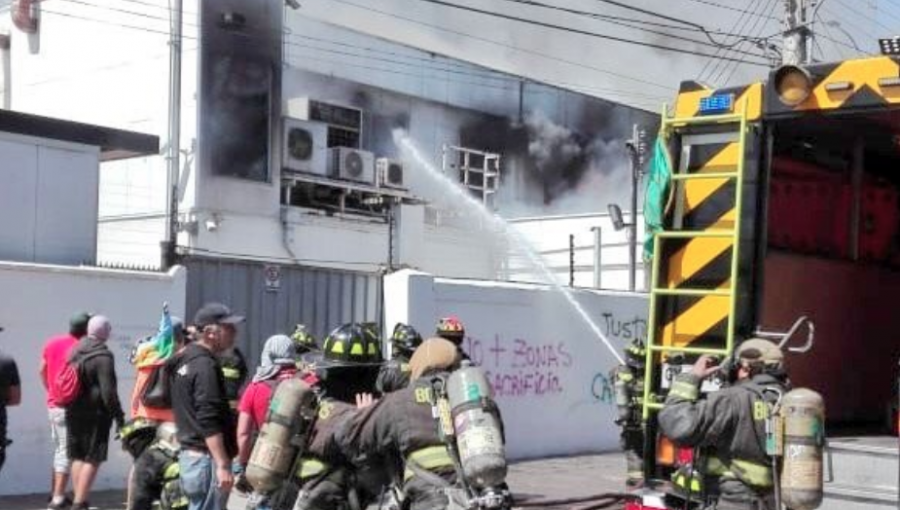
[99,397]
[730,425]
[393,376]
[199,400]
[400,426]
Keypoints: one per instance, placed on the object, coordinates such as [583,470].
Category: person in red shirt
[53,360]
[277,363]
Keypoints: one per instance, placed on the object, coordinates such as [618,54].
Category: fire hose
[597,501]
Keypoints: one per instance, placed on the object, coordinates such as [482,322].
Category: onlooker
[91,415]
[144,373]
[206,429]
[53,360]
[10,395]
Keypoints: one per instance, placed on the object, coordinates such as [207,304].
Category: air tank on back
[476,421]
[274,452]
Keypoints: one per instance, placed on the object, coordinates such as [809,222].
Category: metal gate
[274,297]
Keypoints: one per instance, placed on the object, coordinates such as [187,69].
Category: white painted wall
[550,373]
[48,200]
[45,298]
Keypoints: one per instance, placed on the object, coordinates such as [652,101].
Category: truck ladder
[694,278]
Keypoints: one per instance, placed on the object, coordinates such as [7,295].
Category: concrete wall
[548,370]
[48,200]
[36,304]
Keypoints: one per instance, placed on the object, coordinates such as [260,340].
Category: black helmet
[136,435]
[405,339]
[635,354]
[351,343]
[303,339]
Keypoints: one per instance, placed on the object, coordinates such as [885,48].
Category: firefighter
[323,479]
[394,375]
[156,469]
[628,380]
[452,329]
[236,372]
[401,425]
[305,344]
[728,428]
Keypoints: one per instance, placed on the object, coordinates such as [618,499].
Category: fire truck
[778,209]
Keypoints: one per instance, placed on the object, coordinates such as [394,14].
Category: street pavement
[532,481]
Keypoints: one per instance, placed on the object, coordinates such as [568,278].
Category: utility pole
[797,35]
[174,156]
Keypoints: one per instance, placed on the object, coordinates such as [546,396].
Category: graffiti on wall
[521,368]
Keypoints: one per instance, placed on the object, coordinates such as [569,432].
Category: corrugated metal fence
[276,297]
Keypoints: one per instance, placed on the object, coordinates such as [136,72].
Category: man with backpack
[53,360]
[90,415]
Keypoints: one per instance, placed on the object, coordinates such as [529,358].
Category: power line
[634,23]
[758,33]
[858,12]
[509,81]
[715,63]
[732,8]
[585,32]
[649,13]
[547,56]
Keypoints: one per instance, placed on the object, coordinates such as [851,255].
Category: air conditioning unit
[390,173]
[304,146]
[352,165]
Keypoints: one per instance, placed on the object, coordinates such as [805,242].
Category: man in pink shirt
[53,360]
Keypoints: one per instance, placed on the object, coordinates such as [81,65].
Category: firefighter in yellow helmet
[346,367]
[305,345]
[728,427]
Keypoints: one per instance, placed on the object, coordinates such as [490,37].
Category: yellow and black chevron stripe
[855,85]
[702,262]
[687,104]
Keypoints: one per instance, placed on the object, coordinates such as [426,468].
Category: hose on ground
[596,499]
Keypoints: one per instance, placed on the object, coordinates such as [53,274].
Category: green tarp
[656,195]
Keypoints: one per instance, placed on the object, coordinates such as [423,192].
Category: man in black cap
[206,428]
[10,395]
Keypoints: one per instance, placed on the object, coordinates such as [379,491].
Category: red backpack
[68,381]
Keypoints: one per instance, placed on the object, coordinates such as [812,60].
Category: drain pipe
[285,237]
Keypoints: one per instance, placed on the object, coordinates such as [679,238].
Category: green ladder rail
[651,401]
